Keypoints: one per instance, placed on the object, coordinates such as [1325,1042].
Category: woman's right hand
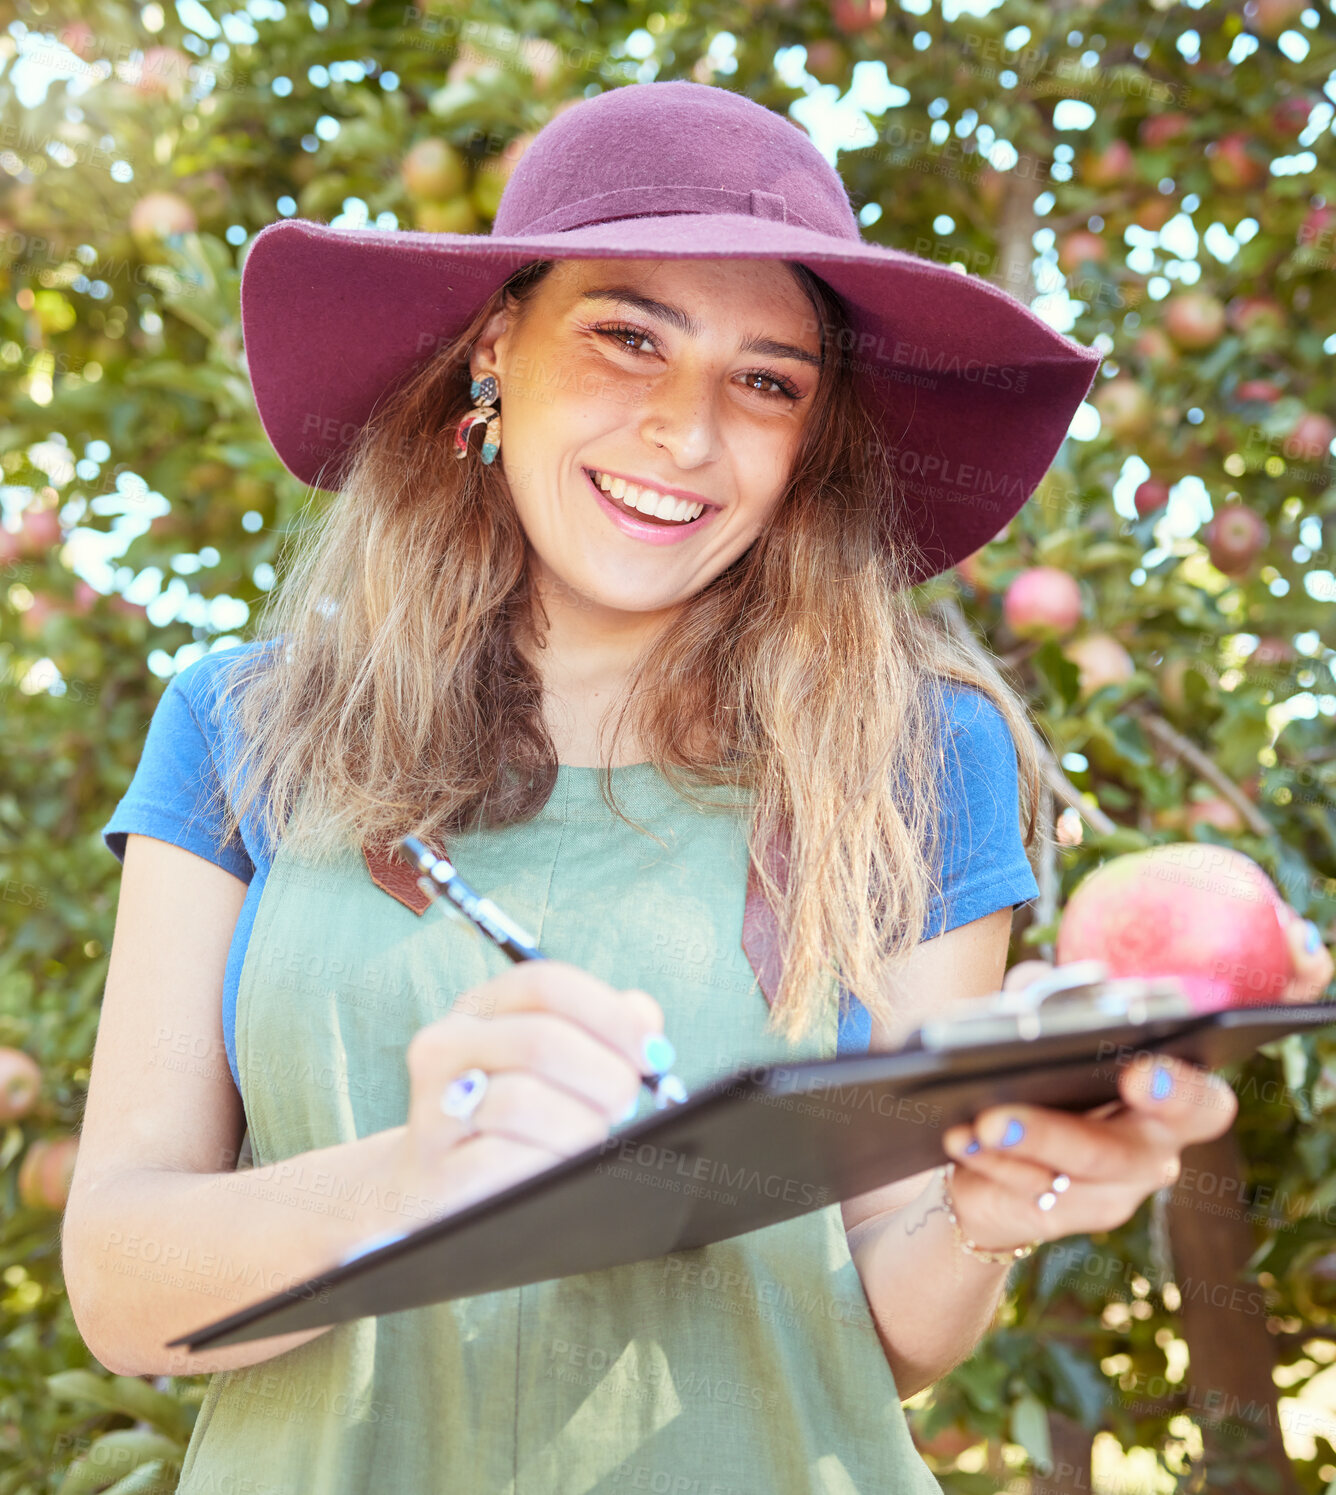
[563,1055]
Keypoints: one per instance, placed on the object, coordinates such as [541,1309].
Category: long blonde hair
[401,704]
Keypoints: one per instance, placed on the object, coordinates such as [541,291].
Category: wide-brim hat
[973,391]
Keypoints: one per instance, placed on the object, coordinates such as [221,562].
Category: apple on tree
[1205,914]
[1234,536]
[20,1084]
[1042,602]
[1151,495]
[1195,319]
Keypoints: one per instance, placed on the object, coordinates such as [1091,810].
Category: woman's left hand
[1115,1155]
[1113,1161]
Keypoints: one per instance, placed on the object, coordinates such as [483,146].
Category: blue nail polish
[1312,937]
[659,1054]
[629,1112]
[1013,1134]
[974,1145]
[1161,1082]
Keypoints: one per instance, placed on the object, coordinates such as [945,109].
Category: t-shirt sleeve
[984,866]
[171,794]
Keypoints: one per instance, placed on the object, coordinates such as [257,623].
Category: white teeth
[647,501]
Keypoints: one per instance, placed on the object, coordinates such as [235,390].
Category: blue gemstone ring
[462,1097]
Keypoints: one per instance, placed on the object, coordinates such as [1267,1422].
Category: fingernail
[1161,1082]
[1013,1134]
[658,1053]
[974,1145]
[1312,937]
[629,1112]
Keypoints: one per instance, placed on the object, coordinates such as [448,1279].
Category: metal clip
[1077,997]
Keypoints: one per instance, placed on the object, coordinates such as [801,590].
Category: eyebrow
[684,322]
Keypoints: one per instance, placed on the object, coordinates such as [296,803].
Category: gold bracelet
[980,1253]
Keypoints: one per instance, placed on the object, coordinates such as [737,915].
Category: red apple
[851,16]
[1290,116]
[1154,212]
[45,1173]
[1194,319]
[1271,651]
[158,215]
[1245,312]
[1205,914]
[1042,602]
[1310,438]
[947,1444]
[1234,165]
[1125,409]
[826,60]
[1108,167]
[163,73]
[1151,495]
[1269,18]
[20,1084]
[1318,229]
[1159,129]
[1262,390]
[1234,536]
[79,38]
[1154,345]
[1079,247]
[1100,659]
[85,597]
[1215,812]
[40,532]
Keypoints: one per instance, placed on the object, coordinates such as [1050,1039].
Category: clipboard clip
[1072,998]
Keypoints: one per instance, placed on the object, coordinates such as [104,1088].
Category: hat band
[642,202]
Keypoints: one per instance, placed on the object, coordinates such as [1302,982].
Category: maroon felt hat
[973,390]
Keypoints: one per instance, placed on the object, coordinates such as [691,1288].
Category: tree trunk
[1230,1393]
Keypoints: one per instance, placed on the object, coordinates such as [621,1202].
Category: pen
[439,877]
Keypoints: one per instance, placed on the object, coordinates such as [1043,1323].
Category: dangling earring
[484,392]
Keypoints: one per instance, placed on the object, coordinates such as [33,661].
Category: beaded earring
[484,392]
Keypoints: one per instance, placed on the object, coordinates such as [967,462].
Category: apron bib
[748,1367]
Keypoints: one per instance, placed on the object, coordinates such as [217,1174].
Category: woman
[673,747]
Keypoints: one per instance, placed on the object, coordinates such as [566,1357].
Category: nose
[682,419]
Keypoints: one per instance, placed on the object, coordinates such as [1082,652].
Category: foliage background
[1015,141]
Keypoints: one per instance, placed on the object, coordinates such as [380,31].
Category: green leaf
[125,1394]
[1029,1428]
[1081,1379]
[157,1477]
[115,1455]
[1061,675]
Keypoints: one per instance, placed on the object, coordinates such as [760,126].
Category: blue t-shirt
[984,863]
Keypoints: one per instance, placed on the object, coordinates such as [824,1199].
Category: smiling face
[693,377]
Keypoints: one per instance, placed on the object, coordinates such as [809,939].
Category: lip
[639,529]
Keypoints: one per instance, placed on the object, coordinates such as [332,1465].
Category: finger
[1194,1104]
[1100,1150]
[618,1019]
[1311,960]
[560,1052]
[997,1205]
[1025,971]
[520,1105]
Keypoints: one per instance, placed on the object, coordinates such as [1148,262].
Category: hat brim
[974,391]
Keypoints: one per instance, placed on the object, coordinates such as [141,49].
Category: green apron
[749,1367]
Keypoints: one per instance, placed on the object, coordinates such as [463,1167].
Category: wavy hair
[805,673]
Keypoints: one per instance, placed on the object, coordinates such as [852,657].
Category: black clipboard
[765,1144]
